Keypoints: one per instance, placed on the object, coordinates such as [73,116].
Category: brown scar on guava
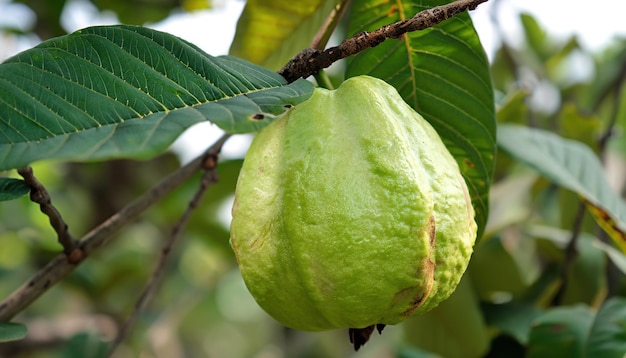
[428,269]
[360,336]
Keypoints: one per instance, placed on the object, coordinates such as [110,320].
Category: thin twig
[209,177]
[617,95]
[60,267]
[323,34]
[311,60]
[571,252]
[618,79]
[39,195]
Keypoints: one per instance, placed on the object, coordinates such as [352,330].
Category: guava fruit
[350,212]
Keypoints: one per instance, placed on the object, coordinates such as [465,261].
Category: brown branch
[209,177]
[60,266]
[311,61]
[39,195]
[609,131]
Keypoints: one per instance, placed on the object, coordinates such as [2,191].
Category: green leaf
[572,165]
[12,189]
[12,331]
[124,91]
[575,125]
[85,345]
[536,36]
[608,333]
[513,108]
[618,258]
[513,318]
[443,73]
[561,332]
[578,332]
[271,32]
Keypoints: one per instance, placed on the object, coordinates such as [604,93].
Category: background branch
[60,266]
[311,61]
[326,30]
[209,177]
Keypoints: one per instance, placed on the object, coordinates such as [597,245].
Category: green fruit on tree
[351,212]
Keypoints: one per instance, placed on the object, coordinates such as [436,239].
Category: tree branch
[209,177]
[60,266]
[617,94]
[311,61]
[39,195]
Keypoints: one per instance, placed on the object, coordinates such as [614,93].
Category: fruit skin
[350,211]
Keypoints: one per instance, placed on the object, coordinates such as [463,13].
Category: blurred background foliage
[506,305]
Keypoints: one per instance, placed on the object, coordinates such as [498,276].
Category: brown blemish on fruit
[427,270]
[432,231]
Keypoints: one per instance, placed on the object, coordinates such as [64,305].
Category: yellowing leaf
[572,165]
[271,32]
[608,224]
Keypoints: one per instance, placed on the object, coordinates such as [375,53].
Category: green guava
[351,212]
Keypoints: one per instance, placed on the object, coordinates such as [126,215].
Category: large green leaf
[578,332]
[123,91]
[572,165]
[561,332]
[443,73]
[271,32]
[608,332]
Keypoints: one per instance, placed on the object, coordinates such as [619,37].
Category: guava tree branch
[39,195]
[62,265]
[209,177]
[311,61]
[616,89]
